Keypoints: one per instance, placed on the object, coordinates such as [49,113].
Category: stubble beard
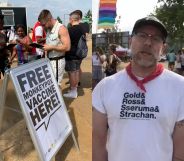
[145,61]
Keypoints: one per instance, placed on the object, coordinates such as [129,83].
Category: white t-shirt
[96,60]
[140,124]
[182,59]
[39,32]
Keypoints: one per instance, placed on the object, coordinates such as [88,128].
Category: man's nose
[148,41]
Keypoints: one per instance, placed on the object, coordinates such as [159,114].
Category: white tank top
[52,38]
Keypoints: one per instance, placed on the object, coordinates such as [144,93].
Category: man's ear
[164,48]
[130,41]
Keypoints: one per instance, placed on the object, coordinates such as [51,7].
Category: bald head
[74,18]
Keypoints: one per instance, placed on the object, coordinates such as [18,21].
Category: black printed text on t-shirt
[134,107]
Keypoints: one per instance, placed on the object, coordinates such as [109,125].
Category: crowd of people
[49,39]
[106,63]
[176,61]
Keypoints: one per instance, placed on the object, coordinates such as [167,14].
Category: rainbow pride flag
[107,14]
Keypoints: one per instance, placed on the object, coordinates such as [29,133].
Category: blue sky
[59,8]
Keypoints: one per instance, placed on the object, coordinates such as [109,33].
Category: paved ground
[15,141]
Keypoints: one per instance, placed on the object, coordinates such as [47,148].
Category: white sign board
[43,106]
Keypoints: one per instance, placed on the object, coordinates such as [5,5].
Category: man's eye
[142,35]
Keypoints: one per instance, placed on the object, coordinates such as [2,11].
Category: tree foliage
[88,16]
[171,13]
[59,19]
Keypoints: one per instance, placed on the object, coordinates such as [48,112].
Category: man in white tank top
[57,42]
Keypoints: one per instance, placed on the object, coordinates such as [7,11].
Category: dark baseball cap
[150,20]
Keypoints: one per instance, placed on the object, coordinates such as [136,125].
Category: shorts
[72,65]
[58,70]
[97,73]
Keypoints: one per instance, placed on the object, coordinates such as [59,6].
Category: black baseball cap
[150,20]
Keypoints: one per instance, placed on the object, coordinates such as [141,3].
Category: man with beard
[134,117]
[57,42]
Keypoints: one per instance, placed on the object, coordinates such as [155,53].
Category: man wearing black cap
[136,115]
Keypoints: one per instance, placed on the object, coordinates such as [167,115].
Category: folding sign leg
[1,157]
[3,98]
[75,141]
[2,103]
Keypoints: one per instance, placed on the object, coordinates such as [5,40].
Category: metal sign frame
[13,74]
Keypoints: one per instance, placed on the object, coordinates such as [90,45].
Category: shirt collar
[55,26]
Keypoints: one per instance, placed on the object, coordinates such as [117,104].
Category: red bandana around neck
[140,83]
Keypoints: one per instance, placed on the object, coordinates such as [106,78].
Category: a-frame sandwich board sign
[42,105]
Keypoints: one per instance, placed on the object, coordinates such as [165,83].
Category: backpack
[82,48]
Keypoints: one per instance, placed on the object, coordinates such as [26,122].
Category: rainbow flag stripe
[108,1]
[107,13]
[106,19]
[105,25]
[113,5]
[106,9]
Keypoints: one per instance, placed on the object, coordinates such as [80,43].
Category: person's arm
[28,41]
[40,39]
[14,53]
[110,59]
[101,57]
[99,136]
[65,41]
[178,141]
[117,59]
[25,42]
